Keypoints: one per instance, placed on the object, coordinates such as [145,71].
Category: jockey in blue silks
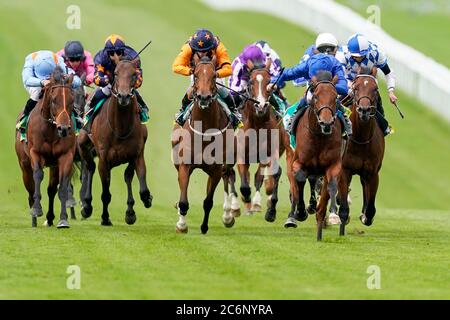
[36,74]
[359,52]
[309,68]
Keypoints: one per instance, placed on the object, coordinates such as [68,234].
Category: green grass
[254,259]
[423,25]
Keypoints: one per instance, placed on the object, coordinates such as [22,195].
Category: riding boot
[235,116]
[21,124]
[89,108]
[290,116]
[78,118]
[143,114]
[185,102]
[381,120]
[345,118]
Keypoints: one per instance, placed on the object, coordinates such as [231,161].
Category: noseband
[53,119]
[372,107]
[324,107]
[194,87]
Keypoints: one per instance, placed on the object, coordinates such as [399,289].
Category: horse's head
[257,86]
[125,77]
[324,98]
[204,89]
[59,100]
[365,90]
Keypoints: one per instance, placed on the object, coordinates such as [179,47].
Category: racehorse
[318,150]
[207,129]
[50,143]
[364,155]
[117,137]
[262,140]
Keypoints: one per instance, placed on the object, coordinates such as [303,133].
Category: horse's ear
[268,64]
[373,72]
[214,59]
[69,80]
[335,79]
[314,80]
[196,59]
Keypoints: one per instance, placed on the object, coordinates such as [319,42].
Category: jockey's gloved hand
[392,97]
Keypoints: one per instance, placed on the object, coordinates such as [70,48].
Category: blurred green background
[254,259]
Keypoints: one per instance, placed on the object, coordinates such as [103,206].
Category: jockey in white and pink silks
[256,55]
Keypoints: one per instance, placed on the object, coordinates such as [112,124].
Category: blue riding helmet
[73,49]
[358,45]
[203,40]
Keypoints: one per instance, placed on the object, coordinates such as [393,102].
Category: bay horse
[207,130]
[117,137]
[365,152]
[51,142]
[318,150]
[262,140]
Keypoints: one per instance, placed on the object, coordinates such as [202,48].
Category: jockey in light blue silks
[253,57]
[307,69]
[359,52]
[36,74]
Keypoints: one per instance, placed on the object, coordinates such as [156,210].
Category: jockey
[78,59]
[105,63]
[309,68]
[202,43]
[36,74]
[254,56]
[359,52]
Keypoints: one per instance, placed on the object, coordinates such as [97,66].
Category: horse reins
[318,111]
[53,118]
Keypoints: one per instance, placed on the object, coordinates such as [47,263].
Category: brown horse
[202,143]
[263,140]
[118,138]
[364,155]
[51,143]
[318,150]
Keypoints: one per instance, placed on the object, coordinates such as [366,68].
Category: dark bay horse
[263,140]
[118,137]
[50,143]
[202,143]
[318,151]
[364,155]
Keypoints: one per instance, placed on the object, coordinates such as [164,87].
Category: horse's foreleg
[51,191]
[105,175]
[322,208]
[183,203]
[343,183]
[371,186]
[87,173]
[65,172]
[235,207]
[71,201]
[259,179]
[312,207]
[365,197]
[227,217]
[272,199]
[28,181]
[298,211]
[213,180]
[332,175]
[38,176]
[245,186]
[141,172]
[130,215]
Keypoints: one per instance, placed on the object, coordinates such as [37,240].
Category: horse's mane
[259,64]
[365,70]
[323,75]
[58,75]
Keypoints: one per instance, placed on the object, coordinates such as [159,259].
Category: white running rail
[416,74]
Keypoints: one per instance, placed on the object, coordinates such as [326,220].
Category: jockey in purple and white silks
[359,52]
[253,56]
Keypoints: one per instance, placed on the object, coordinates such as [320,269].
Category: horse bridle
[250,88]
[53,119]
[324,107]
[114,89]
[372,107]
[194,87]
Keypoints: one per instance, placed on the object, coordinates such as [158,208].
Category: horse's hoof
[147,198]
[271,215]
[236,212]
[47,223]
[182,228]
[300,215]
[204,229]
[311,209]
[333,219]
[106,223]
[62,224]
[86,211]
[36,212]
[34,222]
[256,207]
[130,217]
[230,223]
[290,223]
[364,220]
